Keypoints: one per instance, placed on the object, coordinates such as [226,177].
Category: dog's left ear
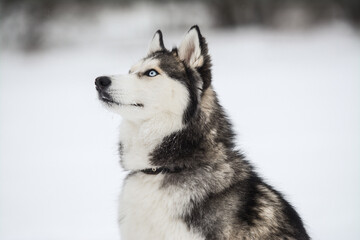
[157,43]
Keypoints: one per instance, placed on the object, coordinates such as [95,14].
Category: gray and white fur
[186,178]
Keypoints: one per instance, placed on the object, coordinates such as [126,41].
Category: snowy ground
[293,97]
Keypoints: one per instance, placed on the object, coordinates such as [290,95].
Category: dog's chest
[148,211]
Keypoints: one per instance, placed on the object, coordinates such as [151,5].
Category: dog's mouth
[106,98]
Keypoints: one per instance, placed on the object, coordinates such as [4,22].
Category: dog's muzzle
[102,83]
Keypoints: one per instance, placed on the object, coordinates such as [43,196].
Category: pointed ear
[190,48]
[157,43]
[193,50]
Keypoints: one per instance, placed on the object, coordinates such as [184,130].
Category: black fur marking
[193,92]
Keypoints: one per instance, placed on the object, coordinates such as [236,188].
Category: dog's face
[147,89]
[163,82]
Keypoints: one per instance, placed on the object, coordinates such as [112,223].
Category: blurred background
[287,71]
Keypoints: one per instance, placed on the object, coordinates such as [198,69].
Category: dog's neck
[138,139]
[163,141]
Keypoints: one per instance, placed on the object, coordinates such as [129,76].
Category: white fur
[148,211]
[190,50]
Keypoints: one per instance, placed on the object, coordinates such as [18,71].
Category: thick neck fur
[206,142]
[202,135]
[205,149]
[139,138]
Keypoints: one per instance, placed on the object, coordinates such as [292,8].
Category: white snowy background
[293,97]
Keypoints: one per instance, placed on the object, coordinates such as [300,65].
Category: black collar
[157,170]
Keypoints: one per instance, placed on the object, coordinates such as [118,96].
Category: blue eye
[151,73]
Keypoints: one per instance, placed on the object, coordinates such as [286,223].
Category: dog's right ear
[157,43]
[193,51]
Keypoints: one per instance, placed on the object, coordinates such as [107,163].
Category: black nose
[102,82]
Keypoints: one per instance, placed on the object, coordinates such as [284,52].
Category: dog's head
[170,82]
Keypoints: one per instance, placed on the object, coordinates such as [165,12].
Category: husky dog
[186,180]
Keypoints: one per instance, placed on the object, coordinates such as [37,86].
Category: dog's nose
[102,82]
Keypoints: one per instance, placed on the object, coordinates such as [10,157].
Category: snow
[293,97]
